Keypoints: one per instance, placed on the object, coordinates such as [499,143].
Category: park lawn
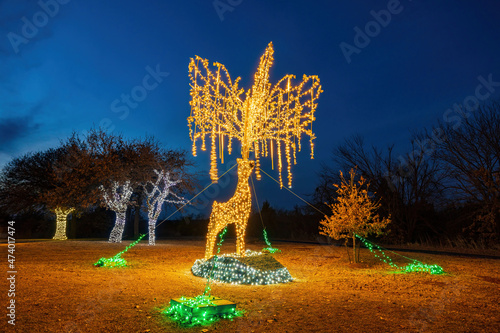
[59,290]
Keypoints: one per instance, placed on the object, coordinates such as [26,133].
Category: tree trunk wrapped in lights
[61,218]
[118,201]
[267,117]
[158,194]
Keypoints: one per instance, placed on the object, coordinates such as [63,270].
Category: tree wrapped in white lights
[156,195]
[266,118]
[117,199]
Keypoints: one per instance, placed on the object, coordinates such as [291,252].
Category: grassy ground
[59,290]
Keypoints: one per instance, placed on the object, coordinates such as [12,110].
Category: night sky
[67,70]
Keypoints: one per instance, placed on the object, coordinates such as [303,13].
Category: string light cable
[195,311]
[189,201]
[118,261]
[269,247]
[414,265]
[378,251]
[219,244]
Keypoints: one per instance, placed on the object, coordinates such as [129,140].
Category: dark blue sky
[64,69]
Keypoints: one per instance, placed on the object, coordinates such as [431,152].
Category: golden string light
[266,116]
[261,118]
[61,218]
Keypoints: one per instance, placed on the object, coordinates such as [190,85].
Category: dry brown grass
[59,290]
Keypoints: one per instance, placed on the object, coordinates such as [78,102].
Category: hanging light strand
[266,113]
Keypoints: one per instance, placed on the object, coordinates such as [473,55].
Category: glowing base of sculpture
[256,268]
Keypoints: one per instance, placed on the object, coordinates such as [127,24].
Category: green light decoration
[269,247]
[111,262]
[203,309]
[414,266]
[219,244]
[117,260]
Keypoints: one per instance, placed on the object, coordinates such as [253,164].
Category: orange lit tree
[263,119]
[353,213]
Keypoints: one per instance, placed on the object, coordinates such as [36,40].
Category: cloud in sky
[23,23]
[14,129]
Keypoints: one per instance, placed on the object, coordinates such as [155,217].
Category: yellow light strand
[213,157]
[288,162]
[272,156]
[222,149]
[257,160]
[280,166]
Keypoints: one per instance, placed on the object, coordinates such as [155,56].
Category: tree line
[98,170]
[446,186]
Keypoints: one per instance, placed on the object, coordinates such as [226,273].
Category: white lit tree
[125,166]
[156,195]
[117,199]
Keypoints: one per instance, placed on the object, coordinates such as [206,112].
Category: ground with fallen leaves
[59,290]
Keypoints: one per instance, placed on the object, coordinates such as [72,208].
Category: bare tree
[407,187]
[117,199]
[470,152]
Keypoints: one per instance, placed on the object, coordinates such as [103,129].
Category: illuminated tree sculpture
[156,195]
[117,199]
[267,118]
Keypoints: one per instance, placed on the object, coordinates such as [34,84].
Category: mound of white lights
[229,269]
